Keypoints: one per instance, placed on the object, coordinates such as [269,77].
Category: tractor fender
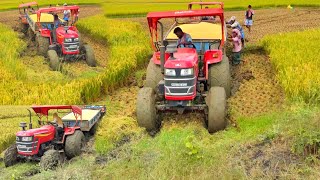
[45,33]
[70,130]
[211,57]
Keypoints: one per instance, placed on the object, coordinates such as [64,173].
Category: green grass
[296,62]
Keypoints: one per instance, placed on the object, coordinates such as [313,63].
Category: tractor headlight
[27,138]
[68,40]
[187,72]
[76,39]
[169,72]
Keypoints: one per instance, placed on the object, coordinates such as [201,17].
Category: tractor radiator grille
[26,146]
[71,46]
[179,86]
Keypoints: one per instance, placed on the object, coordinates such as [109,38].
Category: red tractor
[187,79]
[24,9]
[59,39]
[45,144]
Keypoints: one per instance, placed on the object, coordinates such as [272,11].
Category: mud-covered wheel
[42,44]
[219,75]
[30,34]
[11,155]
[89,54]
[74,144]
[50,160]
[54,62]
[216,102]
[146,111]
[154,75]
[23,28]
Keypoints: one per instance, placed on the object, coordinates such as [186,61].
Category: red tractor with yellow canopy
[184,79]
[59,39]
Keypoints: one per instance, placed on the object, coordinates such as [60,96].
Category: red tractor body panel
[72,32]
[40,135]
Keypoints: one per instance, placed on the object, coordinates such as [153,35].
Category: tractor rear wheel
[30,34]
[74,144]
[24,28]
[146,111]
[42,44]
[90,58]
[219,75]
[50,160]
[216,102]
[11,156]
[154,75]
[54,60]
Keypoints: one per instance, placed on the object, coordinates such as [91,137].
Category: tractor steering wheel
[184,45]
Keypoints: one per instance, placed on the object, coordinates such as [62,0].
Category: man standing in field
[237,46]
[184,39]
[234,24]
[248,16]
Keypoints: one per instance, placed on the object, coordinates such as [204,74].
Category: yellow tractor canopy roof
[44,18]
[202,30]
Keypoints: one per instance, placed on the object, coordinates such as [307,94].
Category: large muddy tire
[90,58]
[74,144]
[216,102]
[31,34]
[11,156]
[146,111]
[23,28]
[50,160]
[154,75]
[42,44]
[219,75]
[54,62]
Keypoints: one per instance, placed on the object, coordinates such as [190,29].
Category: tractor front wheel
[50,160]
[216,102]
[54,62]
[146,111]
[154,75]
[219,75]
[11,155]
[89,54]
[74,144]
[42,44]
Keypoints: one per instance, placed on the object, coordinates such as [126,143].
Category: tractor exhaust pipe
[30,122]
[162,50]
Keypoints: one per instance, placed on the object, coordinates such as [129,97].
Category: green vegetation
[297,63]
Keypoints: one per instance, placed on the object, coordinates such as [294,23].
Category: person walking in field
[248,21]
[234,24]
[237,46]
[184,39]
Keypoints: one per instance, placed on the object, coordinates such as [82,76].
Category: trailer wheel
[42,44]
[74,144]
[30,34]
[11,155]
[146,111]
[54,62]
[90,58]
[219,75]
[154,75]
[50,160]
[216,102]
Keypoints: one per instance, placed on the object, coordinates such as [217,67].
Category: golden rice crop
[296,59]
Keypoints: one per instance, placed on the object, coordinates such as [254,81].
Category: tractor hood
[183,58]
[44,130]
[72,32]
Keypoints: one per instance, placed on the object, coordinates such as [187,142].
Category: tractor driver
[184,39]
[59,126]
